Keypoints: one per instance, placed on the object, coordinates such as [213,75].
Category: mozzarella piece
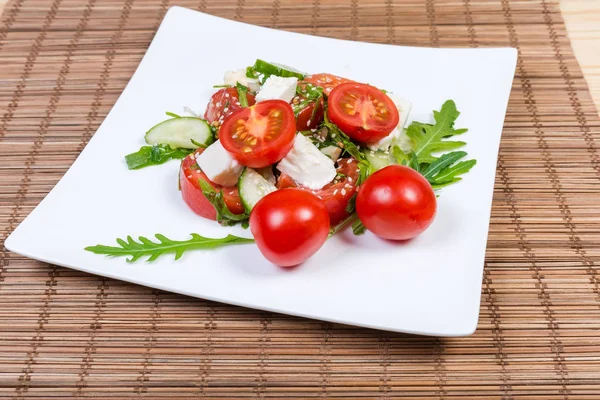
[219,166]
[404,106]
[307,165]
[232,77]
[332,152]
[278,88]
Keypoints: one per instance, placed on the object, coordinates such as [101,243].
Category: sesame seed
[218,104]
[237,103]
[350,179]
[333,136]
[349,160]
[335,192]
[343,192]
[226,94]
[189,176]
[226,109]
[308,122]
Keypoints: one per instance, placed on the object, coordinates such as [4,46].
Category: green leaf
[154,249]
[401,157]
[443,162]
[224,216]
[311,94]
[414,162]
[427,138]
[364,166]
[154,155]
[450,173]
[437,186]
[358,228]
[221,86]
[172,114]
[339,227]
[242,94]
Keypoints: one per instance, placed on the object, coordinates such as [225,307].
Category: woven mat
[65,333]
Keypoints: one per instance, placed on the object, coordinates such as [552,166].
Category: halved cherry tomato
[396,203]
[189,175]
[260,135]
[363,112]
[289,226]
[326,81]
[336,194]
[222,104]
[311,115]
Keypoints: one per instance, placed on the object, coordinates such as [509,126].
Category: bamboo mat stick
[67,334]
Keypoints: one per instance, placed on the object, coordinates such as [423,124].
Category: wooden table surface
[582,18]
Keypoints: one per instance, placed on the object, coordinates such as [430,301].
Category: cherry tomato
[363,112]
[289,226]
[311,115]
[336,194]
[396,203]
[189,174]
[260,135]
[222,104]
[326,81]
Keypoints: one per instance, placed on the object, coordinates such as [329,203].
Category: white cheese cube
[219,166]
[404,106]
[277,88]
[232,77]
[332,152]
[307,165]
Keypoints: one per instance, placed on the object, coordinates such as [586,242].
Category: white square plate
[428,286]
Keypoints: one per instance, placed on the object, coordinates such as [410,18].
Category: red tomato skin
[309,118]
[289,226]
[354,126]
[192,193]
[226,98]
[396,203]
[261,156]
[327,81]
[335,199]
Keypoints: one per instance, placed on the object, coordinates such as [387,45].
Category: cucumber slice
[182,132]
[379,159]
[267,68]
[253,187]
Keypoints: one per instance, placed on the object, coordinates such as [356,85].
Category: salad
[298,157]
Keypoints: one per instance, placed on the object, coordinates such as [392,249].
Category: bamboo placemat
[67,334]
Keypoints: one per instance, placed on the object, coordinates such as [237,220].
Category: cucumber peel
[181,132]
[268,69]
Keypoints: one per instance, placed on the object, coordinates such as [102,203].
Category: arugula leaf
[443,162]
[311,94]
[364,166]
[242,94]
[450,173]
[428,138]
[358,228]
[146,247]
[224,216]
[344,223]
[154,155]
